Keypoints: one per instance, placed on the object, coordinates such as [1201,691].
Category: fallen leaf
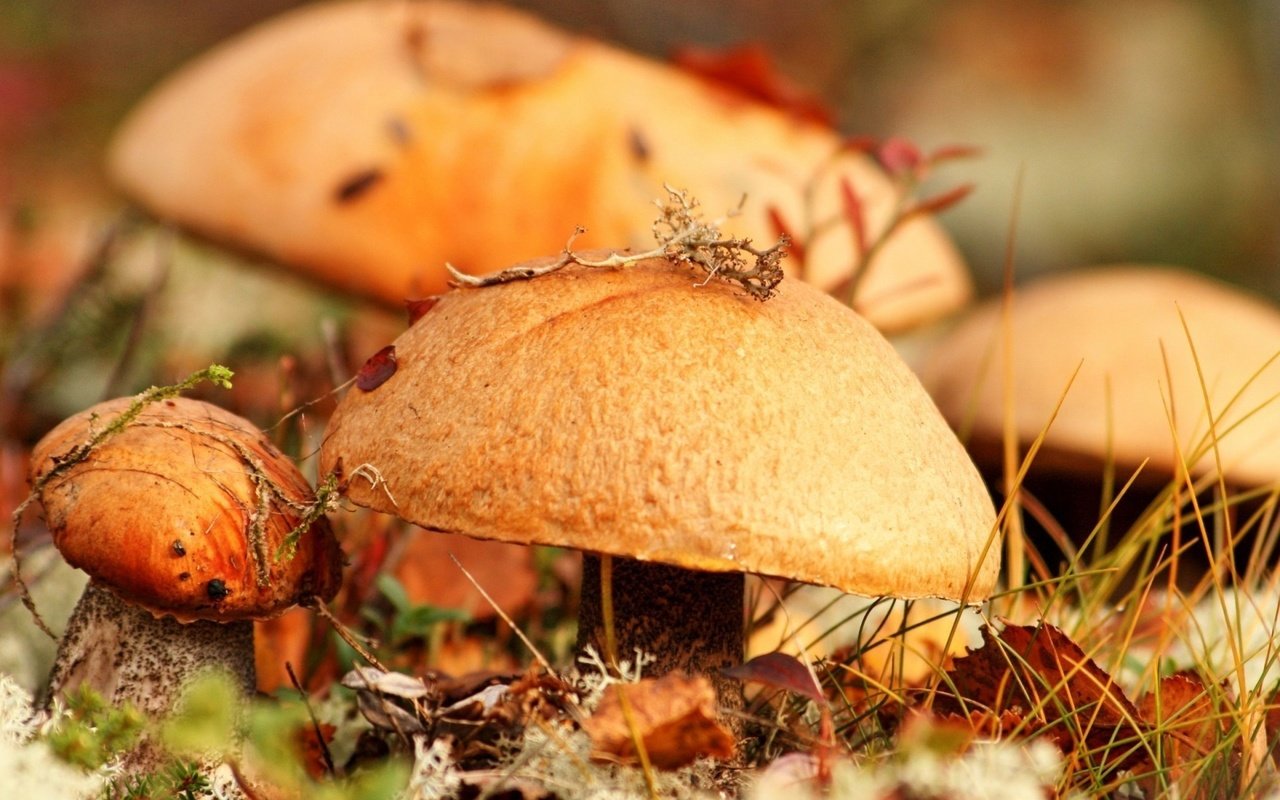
[396,684]
[779,671]
[13,483]
[418,308]
[900,157]
[749,69]
[1043,677]
[375,372]
[382,712]
[312,741]
[1192,723]
[674,717]
[461,652]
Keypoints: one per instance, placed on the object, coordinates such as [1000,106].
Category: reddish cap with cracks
[183,511]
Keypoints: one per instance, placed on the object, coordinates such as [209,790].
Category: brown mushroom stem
[128,655]
[686,620]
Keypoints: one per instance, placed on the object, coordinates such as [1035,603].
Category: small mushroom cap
[163,512]
[1121,326]
[630,412]
[369,143]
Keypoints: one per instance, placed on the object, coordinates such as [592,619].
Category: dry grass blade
[537,654]
[1015,537]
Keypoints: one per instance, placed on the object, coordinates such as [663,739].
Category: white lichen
[558,758]
[434,776]
[987,770]
[594,676]
[28,766]
[555,756]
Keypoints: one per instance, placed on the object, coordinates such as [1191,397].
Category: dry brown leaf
[674,717]
[1040,675]
[312,742]
[749,69]
[1192,725]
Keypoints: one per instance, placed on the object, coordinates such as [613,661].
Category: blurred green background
[1147,129]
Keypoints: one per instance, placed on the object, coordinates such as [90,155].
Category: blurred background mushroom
[1158,90]
[443,132]
[1151,397]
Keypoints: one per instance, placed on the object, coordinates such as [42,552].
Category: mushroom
[690,431]
[179,518]
[369,143]
[1123,327]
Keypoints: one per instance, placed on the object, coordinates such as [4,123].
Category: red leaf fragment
[418,308]
[953,152]
[674,716]
[749,69]
[375,372]
[899,156]
[938,203]
[779,671]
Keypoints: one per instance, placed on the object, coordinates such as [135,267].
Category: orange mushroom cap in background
[1123,327]
[369,143]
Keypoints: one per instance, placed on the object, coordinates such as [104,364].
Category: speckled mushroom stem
[687,620]
[127,654]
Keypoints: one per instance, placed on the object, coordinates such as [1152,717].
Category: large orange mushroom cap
[369,143]
[183,512]
[629,412]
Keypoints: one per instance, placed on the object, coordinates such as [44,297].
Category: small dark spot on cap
[170,403]
[216,589]
[178,548]
[399,131]
[638,145]
[184,576]
[356,185]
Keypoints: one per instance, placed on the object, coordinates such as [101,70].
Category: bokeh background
[1144,131]
[1148,129]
